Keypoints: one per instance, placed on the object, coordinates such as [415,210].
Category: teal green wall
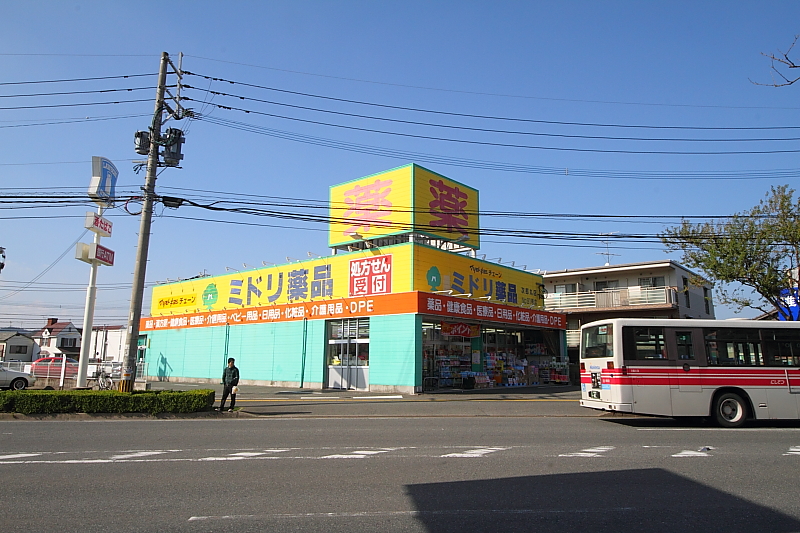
[265,352]
[395,350]
[274,352]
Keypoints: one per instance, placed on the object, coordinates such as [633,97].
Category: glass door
[348,354]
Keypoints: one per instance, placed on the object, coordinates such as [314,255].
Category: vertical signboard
[371,207]
[445,208]
[102,187]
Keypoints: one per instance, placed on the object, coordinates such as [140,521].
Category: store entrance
[348,354]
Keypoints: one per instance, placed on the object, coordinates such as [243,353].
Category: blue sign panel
[102,188]
[789,298]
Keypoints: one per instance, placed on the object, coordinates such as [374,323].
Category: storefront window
[446,358]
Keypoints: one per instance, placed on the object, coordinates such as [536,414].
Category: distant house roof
[53,328]
[109,327]
[616,268]
[6,335]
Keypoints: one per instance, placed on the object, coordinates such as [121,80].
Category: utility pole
[148,197]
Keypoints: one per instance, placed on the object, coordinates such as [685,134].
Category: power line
[472,115]
[507,132]
[320,141]
[527,97]
[73,79]
[69,121]
[73,105]
[306,203]
[65,93]
[46,270]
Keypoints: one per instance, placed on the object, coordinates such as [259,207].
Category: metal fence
[625,297]
[49,372]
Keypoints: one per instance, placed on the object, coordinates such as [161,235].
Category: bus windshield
[597,341]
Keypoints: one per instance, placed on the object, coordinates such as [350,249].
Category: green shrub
[89,401]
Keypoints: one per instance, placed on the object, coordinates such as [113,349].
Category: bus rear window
[597,341]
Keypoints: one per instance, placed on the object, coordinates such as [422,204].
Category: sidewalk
[571,392]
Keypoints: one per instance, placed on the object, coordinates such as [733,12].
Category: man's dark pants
[225,391]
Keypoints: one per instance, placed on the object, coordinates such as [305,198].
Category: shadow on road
[651,500]
[694,422]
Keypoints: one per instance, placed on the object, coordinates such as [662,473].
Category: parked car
[15,380]
[50,367]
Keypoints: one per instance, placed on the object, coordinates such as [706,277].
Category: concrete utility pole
[137,294]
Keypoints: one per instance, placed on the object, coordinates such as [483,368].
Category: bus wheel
[730,411]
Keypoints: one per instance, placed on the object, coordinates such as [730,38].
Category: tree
[757,249]
[782,61]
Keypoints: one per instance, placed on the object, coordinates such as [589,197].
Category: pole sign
[790,298]
[102,188]
[94,254]
[96,223]
[101,254]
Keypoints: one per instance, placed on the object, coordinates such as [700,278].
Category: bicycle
[104,381]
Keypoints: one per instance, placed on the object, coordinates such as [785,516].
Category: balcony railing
[573,337]
[611,298]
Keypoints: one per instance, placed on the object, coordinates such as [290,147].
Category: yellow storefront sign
[437,270]
[376,271]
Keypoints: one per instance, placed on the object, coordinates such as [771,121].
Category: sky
[647,111]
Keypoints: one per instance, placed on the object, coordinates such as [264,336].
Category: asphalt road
[398,473]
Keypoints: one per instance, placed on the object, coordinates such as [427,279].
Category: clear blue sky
[676,64]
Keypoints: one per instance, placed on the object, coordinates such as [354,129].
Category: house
[59,338]
[652,289]
[17,346]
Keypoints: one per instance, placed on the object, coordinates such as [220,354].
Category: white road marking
[454,512]
[597,451]
[477,452]
[376,397]
[18,456]
[248,454]
[136,455]
[319,397]
[793,450]
[358,454]
[691,453]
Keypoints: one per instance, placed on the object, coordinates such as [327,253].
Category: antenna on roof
[607,253]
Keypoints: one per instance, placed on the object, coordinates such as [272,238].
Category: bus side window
[683,339]
[647,343]
[782,353]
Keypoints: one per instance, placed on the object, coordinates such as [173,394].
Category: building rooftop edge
[620,267]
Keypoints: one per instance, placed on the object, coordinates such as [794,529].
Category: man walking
[230,379]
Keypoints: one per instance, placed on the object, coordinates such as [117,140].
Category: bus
[730,371]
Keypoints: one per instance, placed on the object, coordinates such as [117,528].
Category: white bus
[728,370]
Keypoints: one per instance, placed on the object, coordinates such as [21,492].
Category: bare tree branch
[782,59]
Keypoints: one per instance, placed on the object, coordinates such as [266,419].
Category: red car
[50,367]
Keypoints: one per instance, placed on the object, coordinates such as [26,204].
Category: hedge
[90,401]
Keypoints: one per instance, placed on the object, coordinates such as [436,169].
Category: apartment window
[18,349]
[686,291]
[567,287]
[68,343]
[656,281]
[606,284]
[707,299]
[45,341]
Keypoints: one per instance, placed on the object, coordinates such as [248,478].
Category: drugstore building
[402,305]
